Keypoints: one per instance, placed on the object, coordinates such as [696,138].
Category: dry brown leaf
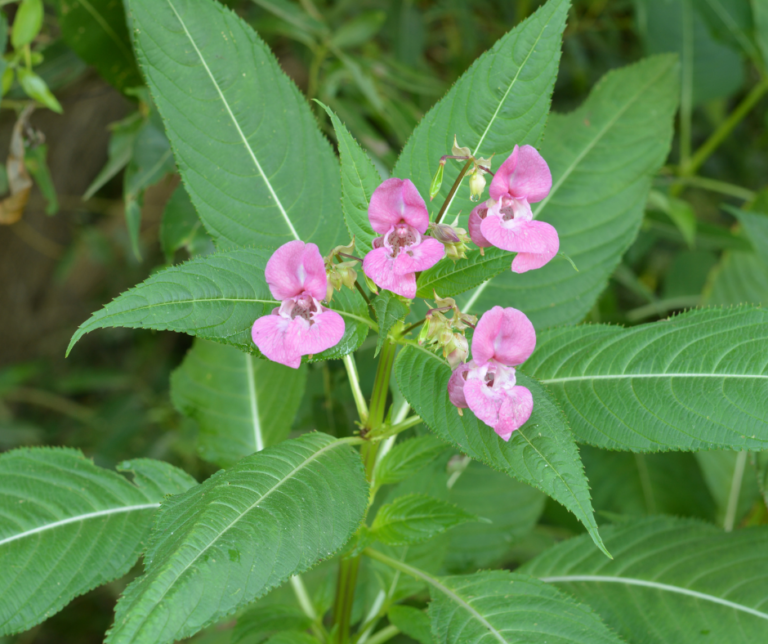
[19,181]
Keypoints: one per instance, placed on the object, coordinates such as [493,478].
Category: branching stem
[454,188]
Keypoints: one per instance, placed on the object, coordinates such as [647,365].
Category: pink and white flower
[487,384]
[300,325]
[506,220]
[398,213]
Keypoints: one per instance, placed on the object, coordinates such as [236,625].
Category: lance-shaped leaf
[407,458]
[505,608]
[602,158]
[218,298]
[502,100]
[673,581]
[414,518]
[542,453]
[242,404]
[359,179]
[68,526]
[253,160]
[695,381]
[449,279]
[241,533]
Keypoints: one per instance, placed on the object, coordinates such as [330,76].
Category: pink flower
[399,214]
[300,325]
[487,384]
[506,220]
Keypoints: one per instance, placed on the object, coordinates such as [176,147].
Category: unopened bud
[371,284]
[437,181]
[476,186]
[456,350]
[443,233]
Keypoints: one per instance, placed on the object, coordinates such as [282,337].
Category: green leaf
[36,160]
[635,485]
[449,279]
[711,69]
[390,309]
[218,298]
[239,534]
[27,23]
[732,482]
[291,13]
[359,29]
[119,152]
[673,581]
[542,453]
[242,404]
[729,21]
[293,637]
[411,621]
[359,179]
[36,88]
[97,32]
[760,12]
[602,157]
[407,458]
[415,518]
[695,381]
[261,622]
[69,526]
[182,228]
[740,277]
[502,100]
[501,607]
[151,159]
[513,509]
[253,160]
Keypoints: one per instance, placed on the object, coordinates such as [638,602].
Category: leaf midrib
[77,519]
[630,581]
[334,444]
[633,376]
[240,132]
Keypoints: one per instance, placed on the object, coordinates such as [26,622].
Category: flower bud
[456,350]
[476,185]
[459,152]
[371,284]
[437,181]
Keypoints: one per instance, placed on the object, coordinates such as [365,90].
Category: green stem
[384,635]
[686,90]
[454,188]
[726,127]
[354,383]
[413,326]
[720,187]
[401,566]
[348,568]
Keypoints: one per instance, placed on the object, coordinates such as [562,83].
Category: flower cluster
[504,338]
[408,243]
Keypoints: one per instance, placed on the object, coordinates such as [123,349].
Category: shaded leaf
[407,458]
[411,621]
[390,309]
[182,228]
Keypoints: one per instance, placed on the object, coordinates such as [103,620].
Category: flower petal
[505,335]
[394,201]
[524,175]
[482,401]
[294,268]
[380,267]
[518,236]
[515,411]
[420,257]
[475,222]
[326,331]
[524,262]
[456,385]
[269,335]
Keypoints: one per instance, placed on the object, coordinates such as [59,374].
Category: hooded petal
[456,385]
[294,268]
[394,201]
[515,411]
[380,267]
[419,257]
[475,222]
[269,335]
[524,175]
[518,236]
[528,261]
[326,331]
[505,335]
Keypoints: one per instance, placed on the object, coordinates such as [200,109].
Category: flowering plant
[453,322]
